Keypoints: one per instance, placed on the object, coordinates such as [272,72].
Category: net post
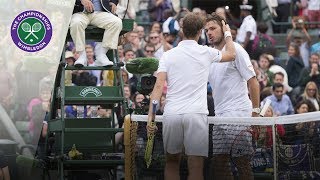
[274,149]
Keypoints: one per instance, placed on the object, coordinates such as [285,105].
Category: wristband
[227,34]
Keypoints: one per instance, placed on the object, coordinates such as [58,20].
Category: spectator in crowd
[100,14]
[278,77]
[266,76]
[234,32]
[69,57]
[311,93]
[311,73]
[276,68]
[91,62]
[149,50]
[248,28]
[300,133]
[314,12]
[301,8]
[283,14]
[280,102]
[315,48]
[127,95]
[302,39]
[134,43]
[156,9]
[122,8]
[294,68]
[121,53]
[263,43]
[141,35]
[268,135]
[155,27]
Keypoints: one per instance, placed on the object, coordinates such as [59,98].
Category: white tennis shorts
[228,139]
[188,131]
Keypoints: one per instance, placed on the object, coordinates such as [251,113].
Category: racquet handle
[154,109]
[265,107]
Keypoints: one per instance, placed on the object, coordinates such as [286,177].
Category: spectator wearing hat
[69,58]
[248,28]
[302,38]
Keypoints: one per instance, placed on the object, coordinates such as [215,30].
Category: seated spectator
[276,68]
[279,78]
[265,75]
[100,14]
[315,48]
[300,133]
[311,73]
[134,43]
[155,27]
[149,50]
[280,102]
[294,68]
[311,93]
[268,135]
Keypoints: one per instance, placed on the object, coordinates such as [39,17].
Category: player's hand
[293,24]
[255,114]
[225,27]
[88,5]
[113,7]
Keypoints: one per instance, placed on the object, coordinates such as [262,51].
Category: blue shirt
[97,5]
[315,48]
[281,107]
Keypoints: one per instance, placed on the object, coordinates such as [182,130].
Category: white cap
[246,7]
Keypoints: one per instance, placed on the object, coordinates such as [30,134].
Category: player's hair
[192,24]
[216,19]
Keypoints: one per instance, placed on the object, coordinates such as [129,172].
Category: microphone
[29,162]
[142,65]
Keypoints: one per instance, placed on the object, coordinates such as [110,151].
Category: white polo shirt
[187,67]
[229,82]
[248,24]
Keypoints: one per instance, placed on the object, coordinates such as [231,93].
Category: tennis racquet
[149,147]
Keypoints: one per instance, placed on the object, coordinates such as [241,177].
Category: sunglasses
[311,89]
[154,37]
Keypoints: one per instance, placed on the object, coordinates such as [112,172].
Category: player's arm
[254,91]
[156,95]
[230,53]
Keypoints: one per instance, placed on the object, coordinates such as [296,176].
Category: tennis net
[284,147]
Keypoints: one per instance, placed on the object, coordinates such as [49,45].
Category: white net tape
[289,119]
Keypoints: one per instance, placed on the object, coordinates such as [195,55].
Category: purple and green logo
[31,31]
